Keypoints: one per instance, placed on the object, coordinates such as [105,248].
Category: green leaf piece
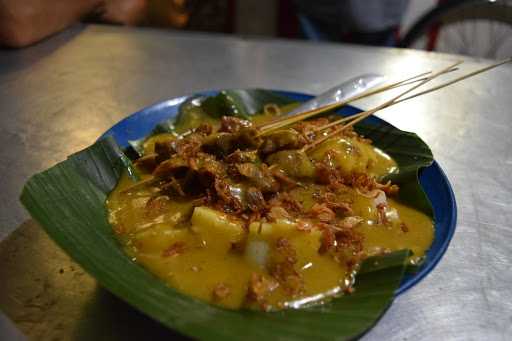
[68,200]
[411,154]
[252,101]
[222,104]
[136,148]
[105,152]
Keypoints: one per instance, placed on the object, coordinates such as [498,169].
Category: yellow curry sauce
[276,261]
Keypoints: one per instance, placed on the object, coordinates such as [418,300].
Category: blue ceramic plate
[432,178]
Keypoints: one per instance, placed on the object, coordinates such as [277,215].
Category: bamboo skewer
[365,114]
[437,87]
[296,118]
[440,86]
[358,117]
[420,79]
[404,82]
[455,80]
[281,122]
[341,120]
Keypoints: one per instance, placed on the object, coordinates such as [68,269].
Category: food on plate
[245,217]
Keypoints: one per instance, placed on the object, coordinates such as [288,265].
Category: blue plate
[432,178]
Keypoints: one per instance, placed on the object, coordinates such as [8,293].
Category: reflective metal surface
[60,95]
[49,297]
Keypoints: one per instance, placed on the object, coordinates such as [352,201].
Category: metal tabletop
[58,96]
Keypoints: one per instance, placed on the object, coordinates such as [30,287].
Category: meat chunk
[188,146]
[231,124]
[147,163]
[173,167]
[259,177]
[164,150]
[226,199]
[239,156]
[281,140]
[223,144]
[307,128]
[255,200]
[294,163]
[204,129]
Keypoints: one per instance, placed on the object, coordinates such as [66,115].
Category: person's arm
[24,22]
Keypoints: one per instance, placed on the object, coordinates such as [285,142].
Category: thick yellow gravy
[193,249]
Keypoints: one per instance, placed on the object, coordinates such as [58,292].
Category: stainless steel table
[60,95]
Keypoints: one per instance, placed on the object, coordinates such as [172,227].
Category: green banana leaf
[241,103]
[68,200]
[411,154]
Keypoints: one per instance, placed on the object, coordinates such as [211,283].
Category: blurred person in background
[24,22]
[372,22]
[369,22]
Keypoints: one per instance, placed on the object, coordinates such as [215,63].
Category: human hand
[124,12]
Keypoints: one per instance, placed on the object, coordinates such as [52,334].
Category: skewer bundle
[346,122]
